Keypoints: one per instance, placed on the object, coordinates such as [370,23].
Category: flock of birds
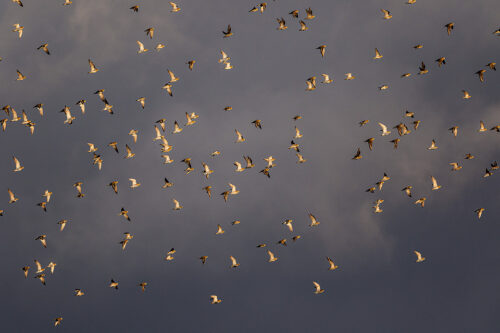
[41,272]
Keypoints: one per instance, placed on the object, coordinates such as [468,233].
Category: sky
[378,286]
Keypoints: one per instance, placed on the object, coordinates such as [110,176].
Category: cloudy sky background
[378,286]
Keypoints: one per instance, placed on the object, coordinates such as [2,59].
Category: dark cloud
[378,286]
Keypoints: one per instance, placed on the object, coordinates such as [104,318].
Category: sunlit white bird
[214,299]
[420,258]
[177,205]
[220,231]
[240,137]
[332,264]
[435,185]
[234,263]
[384,130]
[326,79]
[17,164]
[141,47]
[134,183]
[272,258]
[93,68]
[175,7]
[19,29]
[317,288]
[479,212]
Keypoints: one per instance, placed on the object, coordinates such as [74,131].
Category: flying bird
[384,130]
[422,69]
[17,165]
[480,74]
[420,258]
[93,69]
[309,14]
[288,223]
[167,183]
[322,50]
[42,239]
[214,299]
[272,258]
[130,154]
[234,263]
[358,155]
[62,224]
[300,158]
[441,61]
[175,7]
[282,24]
[317,288]
[208,189]
[314,221]
[44,48]
[177,205]
[133,133]
[332,264]
[387,14]
[58,321]
[26,270]
[454,130]
[435,185]
[81,103]
[41,277]
[39,107]
[20,76]
[79,292]
[143,286]
[173,78]
[349,76]
[134,183]
[19,29]
[114,145]
[113,284]
[150,32]
[433,145]
[407,190]
[240,137]
[220,231]
[124,213]
[12,196]
[449,27]
[227,33]
[482,127]
[141,48]
[455,166]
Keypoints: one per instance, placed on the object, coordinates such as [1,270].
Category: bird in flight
[332,266]
[228,32]
[420,258]
[317,288]
[175,7]
[93,68]
[214,299]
